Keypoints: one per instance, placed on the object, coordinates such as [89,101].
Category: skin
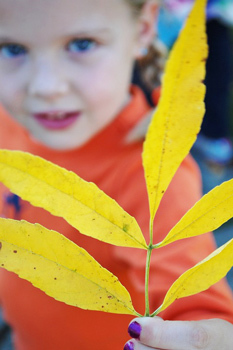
[49,72]
[214,334]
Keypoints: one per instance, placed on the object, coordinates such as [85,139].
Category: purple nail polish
[129,346]
[135,330]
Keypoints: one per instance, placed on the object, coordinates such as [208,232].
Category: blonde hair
[151,65]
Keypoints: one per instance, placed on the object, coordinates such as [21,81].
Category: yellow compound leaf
[201,276]
[60,268]
[177,120]
[209,213]
[82,204]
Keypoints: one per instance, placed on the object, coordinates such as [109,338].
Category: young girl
[65,72]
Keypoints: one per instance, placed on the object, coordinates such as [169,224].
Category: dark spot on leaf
[0,245]
[125,228]
[110,297]
[55,278]
[34,268]
[2,265]
[102,306]
[204,59]
[15,251]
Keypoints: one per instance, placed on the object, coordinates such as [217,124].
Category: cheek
[108,83]
[10,94]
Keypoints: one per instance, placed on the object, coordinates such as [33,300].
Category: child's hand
[154,333]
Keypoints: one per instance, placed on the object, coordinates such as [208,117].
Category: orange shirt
[41,323]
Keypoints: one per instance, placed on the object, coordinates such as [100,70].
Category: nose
[47,81]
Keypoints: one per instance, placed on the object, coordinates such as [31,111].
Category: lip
[56,120]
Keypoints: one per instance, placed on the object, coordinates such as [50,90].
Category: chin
[60,145]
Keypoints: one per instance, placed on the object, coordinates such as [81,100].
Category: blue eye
[81,45]
[12,50]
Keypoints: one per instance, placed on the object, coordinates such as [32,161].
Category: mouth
[56,120]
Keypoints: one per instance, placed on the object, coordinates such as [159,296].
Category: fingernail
[129,346]
[135,330]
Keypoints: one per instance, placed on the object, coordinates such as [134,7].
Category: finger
[182,335]
[172,335]
[136,345]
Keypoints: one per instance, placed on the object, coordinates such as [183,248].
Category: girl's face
[65,66]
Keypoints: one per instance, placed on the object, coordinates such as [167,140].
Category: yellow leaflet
[201,276]
[177,120]
[209,213]
[82,204]
[60,268]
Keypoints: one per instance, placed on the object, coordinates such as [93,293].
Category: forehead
[28,17]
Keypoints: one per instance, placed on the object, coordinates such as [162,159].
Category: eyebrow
[84,33]
[90,32]
[6,39]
